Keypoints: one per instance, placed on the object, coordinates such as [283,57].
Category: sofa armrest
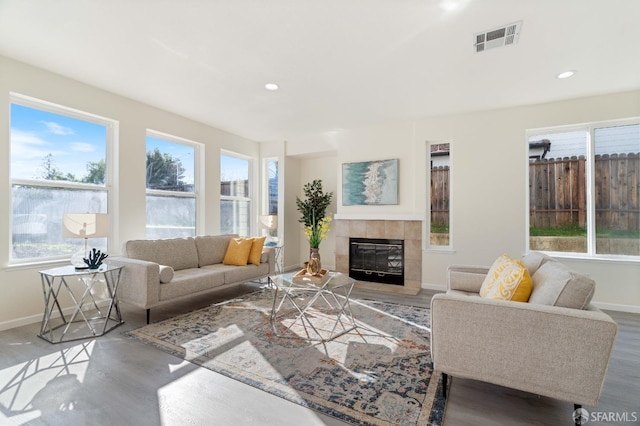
[139,282]
[557,352]
[466,278]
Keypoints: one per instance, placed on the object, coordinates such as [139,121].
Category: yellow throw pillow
[238,252]
[256,250]
[508,279]
[493,274]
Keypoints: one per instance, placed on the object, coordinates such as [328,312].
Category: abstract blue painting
[370,183]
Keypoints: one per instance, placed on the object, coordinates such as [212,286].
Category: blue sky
[184,153]
[233,168]
[71,142]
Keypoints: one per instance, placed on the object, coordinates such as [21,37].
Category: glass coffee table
[311,308]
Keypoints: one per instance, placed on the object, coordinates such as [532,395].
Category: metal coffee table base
[305,306]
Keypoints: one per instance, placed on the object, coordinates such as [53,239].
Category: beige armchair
[549,350]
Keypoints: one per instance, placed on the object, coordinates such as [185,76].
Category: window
[171,189]
[584,189]
[272,186]
[235,199]
[439,194]
[59,164]
[268,220]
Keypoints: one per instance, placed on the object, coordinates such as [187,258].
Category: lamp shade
[85,225]
[268,221]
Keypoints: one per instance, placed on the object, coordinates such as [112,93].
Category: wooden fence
[557,192]
[440,195]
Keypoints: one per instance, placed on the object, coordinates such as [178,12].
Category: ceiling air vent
[498,37]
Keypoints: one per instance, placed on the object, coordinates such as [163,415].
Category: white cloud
[58,129]
[82,147]
[20,137]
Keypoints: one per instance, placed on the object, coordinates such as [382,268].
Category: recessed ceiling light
[271,86]
[566,74]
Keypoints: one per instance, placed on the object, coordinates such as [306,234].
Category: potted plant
[314,219]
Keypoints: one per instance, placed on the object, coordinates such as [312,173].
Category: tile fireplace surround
[408,230]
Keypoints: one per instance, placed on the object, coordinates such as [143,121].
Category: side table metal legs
[87,318]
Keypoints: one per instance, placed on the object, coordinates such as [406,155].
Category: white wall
[323,168]
[489,166]
[489,151]
[21,298]
[489,189]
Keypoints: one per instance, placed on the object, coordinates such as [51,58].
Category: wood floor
[114,380]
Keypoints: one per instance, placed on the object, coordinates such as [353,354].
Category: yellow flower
[318,232]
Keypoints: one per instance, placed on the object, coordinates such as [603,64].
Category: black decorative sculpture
[95,259]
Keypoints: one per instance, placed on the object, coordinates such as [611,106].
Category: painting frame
[370,183]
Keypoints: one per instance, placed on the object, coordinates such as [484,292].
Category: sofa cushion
[236,274]
[191,281]
[212,248]
[255,254]
[238,251]
[166,274]
[179,253]
[508,279]
[535,259]
[556,285]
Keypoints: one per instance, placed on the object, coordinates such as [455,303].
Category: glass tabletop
[70,270]
[298,280]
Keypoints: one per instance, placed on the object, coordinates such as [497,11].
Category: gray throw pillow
[556,285]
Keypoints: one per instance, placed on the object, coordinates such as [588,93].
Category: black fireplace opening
[377,260]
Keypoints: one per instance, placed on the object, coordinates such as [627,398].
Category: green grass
[439,229]
[563,231]
[578,231]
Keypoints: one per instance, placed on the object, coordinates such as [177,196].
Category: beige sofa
[157,272]
[543,347]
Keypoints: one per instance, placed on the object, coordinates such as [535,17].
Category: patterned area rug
[378,374]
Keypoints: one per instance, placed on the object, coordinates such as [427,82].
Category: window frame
[266,204]
[196,194]
[427,232]
[250,193]
[589,128]
[111,140]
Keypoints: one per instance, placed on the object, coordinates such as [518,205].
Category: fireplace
[377,260]
[405,228]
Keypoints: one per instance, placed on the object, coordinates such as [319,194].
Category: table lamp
[269,222]
[84,225]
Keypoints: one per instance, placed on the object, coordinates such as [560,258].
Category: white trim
[250,197]
[198,182]
[589,128]
[37,318]
[439,250]
[109,187]
[617,307]
[426,232]
[436,287]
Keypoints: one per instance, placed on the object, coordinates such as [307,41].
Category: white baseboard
[436,287]
[19,322]
[37,318]
[617,307]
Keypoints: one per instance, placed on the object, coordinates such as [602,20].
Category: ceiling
[339,63]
